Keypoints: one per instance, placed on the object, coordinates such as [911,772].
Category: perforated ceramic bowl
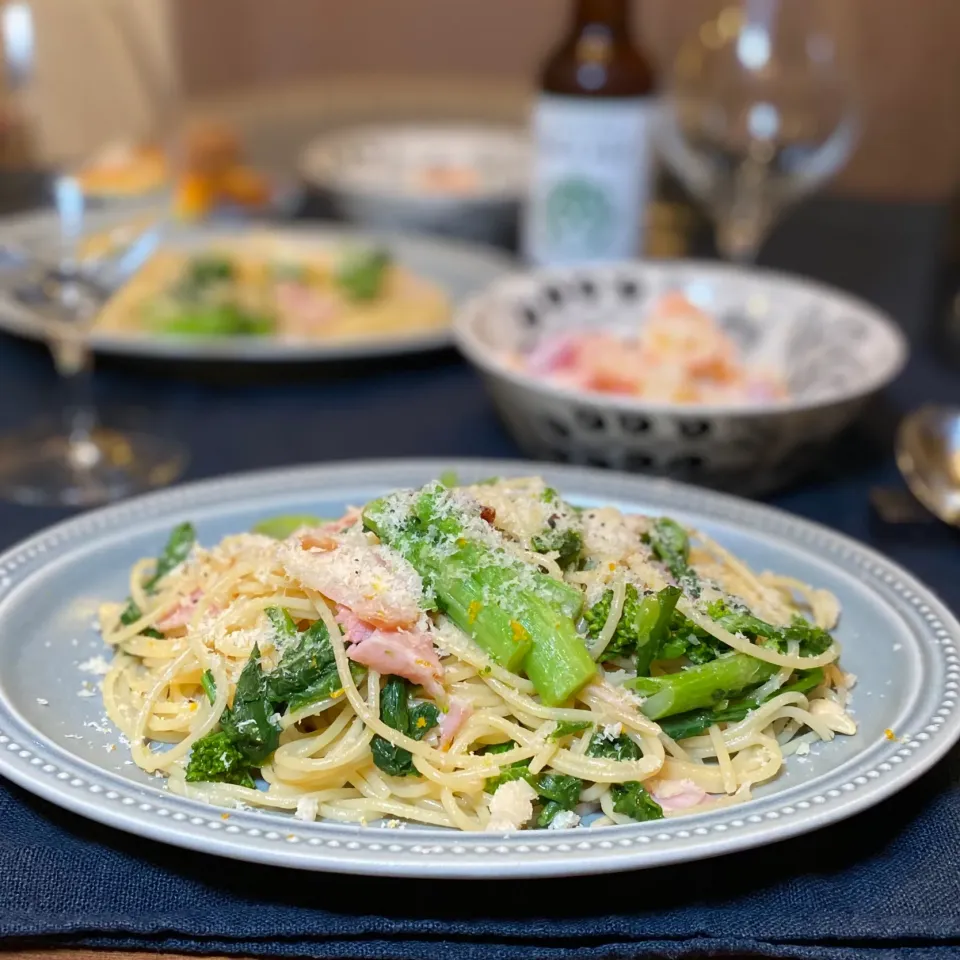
[835,352]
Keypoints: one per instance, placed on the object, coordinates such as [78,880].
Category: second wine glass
[81,462]
[760,109]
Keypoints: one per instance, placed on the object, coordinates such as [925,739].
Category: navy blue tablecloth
[885,884]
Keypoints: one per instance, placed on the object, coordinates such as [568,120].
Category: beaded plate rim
[878,770]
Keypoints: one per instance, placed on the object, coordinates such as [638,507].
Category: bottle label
[590,180]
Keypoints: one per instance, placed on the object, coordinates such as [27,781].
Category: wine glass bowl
[760,110]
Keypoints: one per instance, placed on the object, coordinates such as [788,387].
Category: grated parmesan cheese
[307,808]
[611,731]
[97,665]
[511,806]
[564,820]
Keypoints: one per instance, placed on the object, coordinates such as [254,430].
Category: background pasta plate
[897,638]
[460,269]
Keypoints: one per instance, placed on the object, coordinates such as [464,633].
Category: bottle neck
[612,14]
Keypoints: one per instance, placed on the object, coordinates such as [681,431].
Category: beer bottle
[591,168]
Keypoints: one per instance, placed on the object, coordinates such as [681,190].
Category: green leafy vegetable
[209,685]
[567,727]
[214,758]
[306,673]
[549,813]
[557,791]
[560,788]
[328,685]
[520,770]
[450,479]
[362,275]
[812,640]
[632,800]
[415,722]
[131,614]
[283,526]
[175,551]
[306,658]
[248,723]
[613,748]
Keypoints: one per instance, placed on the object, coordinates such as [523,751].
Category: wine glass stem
[74,364]
[741,231]
[739,241]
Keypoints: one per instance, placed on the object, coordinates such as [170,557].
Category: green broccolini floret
[566,542]
[685,639]
[624,640]
[642,629]
[812,640]
[561,532]
[215,758]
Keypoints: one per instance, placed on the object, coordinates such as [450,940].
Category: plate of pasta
[246,292]
[475,669]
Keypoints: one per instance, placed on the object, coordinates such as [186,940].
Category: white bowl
[372,176]
[834,350]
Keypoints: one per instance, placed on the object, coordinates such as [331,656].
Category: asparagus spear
[520,616]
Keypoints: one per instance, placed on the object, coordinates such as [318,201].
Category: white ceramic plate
[897,637]
[459,268]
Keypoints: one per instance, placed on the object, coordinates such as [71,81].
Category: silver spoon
[927,448]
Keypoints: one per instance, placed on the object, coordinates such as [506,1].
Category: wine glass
[82,463]
[760,109]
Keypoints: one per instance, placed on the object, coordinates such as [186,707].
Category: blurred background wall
[475,58]
[909,67]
